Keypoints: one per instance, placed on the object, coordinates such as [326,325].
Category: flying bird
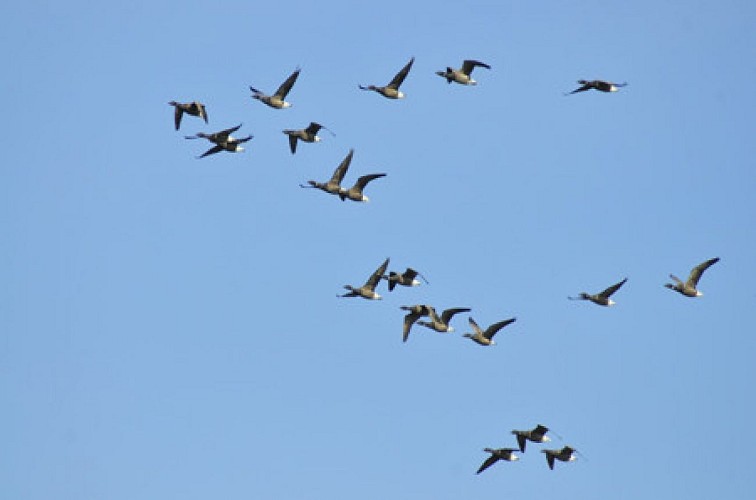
[367,291]
[223,141]
[601,298]
[537,435]
[496,455]
[190,108]
[308,134]
[333,186]
[600,85]
[485,338]
[566,454]
[415,312]
[441,323]
[689,287]
[277,99]
[407,278]
[355,193]
[462,75]
[392,89]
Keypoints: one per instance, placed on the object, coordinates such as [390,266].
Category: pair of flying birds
[441,323]
[354,193]
[687,288]
[536,435]
[367,291]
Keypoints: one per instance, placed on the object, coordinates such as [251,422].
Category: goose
[441,324]
[601,298]
[689,287]
[223,141]
[537,435]
[407,278]
[277,99]
[566,454]
[462,75]
[485,338]
[306,134]
[354,193]
[392,89]
[367,291]
[333,186]
[190,108]
[496,455]
[600,85]
[414,313]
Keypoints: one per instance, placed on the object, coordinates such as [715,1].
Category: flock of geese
[224,141]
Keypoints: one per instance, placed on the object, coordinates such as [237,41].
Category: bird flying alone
[308,134]
[367,291]
[485,338]
[462,75]
[600,85]
[277,99]
[223,141]
[190,108]
[601,298]
[689,287]
[391,90]
[496,455]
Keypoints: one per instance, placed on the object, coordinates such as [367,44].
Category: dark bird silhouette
[496,455]
[599,85]
[308,134]
[415,312]
[537,435]
[407,278]
[566,454]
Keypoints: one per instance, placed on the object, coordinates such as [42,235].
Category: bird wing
[488,463]
[468,65]
[585,86]
[474,326]
[293,143]
[363,181]
[341,170]
[202,111]
[177,114]
[223,134]
[409,320]
[697,271]
[288,84]
[212,151]
[550,460]
[447,315]
[609,291]
[376,276]
[491,330]
[521,441]
[313,128]
[399,78]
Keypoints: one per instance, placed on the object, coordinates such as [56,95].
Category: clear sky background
[169,327]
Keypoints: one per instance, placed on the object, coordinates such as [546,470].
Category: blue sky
[169,327]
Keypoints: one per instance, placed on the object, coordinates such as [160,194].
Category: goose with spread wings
[462,75]
[601,298]
[485,337]
[367,291]
[392,89]
[277,100]
[308,134]
[689,287]
[333,186]
[496,455]
[223,141]
[600,85]
[190,108]
[536,435]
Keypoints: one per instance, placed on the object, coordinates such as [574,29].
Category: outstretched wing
[474,326]
[447,315]
[223,134]
[488,463]
[409,320]
[376,276]
[521,441]
[363,181]
[468,65]
[211,151]
[550,460]
[609,291]
[491,330]
[287,85]
[177,114]
[399,78]
[697,271]
[341,170]
[586,85]
[293,143]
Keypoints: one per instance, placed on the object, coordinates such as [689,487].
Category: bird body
[536,435]
[277,100]
[367,291]
[689,287]
[496,455]
[190,108]
[485,338]
[600,85]
[601,298]
[391,90]
[566,454]
[308,134]
[462,75]
[407,278]
[355,193]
